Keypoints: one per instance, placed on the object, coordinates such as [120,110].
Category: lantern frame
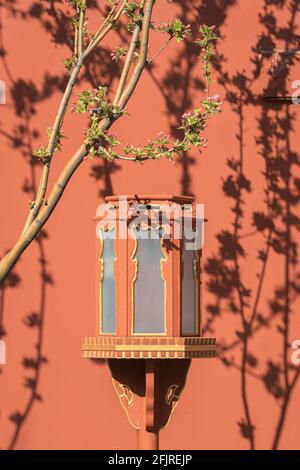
[125,342]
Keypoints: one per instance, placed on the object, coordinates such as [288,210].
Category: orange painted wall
[77,406]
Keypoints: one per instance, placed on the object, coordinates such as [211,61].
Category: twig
[160,50]
[106,20]
[128,62]
[80,31]
[142,55]
[76,41]
[104,30]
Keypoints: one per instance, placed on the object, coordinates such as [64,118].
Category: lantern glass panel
[149,289]
[189,316]
[108,283]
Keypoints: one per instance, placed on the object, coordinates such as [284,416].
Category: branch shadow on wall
[181,86]
[275,226]
[26,96]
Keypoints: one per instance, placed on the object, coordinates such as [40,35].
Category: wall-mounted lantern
[149,251]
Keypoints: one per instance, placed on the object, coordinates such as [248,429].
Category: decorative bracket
[149,391]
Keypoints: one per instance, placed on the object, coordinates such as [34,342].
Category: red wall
[77,406]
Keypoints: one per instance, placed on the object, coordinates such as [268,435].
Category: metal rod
[148,440]
[148,434]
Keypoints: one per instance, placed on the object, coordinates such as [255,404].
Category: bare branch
[81,30]
[133,159]
[128,62]
[160,50]
[76,40]
[107,19]
[63,107]
[104,30]
[142,55]
[51,145]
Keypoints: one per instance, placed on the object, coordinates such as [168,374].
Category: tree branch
[128,62]
[44,212]
[63,107]
[26,238]
[142,56]
[163,47]
[81,30]
[51,145]
[102,32]
[106,20]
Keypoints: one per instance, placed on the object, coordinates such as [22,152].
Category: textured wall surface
[50,398]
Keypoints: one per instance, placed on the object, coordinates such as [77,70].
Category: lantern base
[148,347]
